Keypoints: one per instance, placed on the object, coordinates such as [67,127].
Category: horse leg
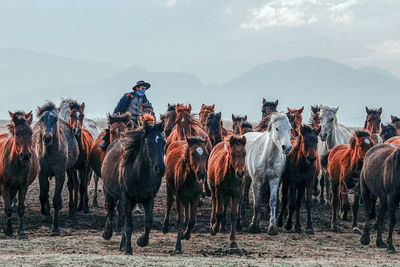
[213,209]
[258,196]
[108,229]
[70,184]
[247,184]
[57,202]
[309,226]
[121,217]
[170,201]
[273,187]
[95,204]
[300,194]
[192,220]
[322,187]
[234,218]
[355,206]
[328,184]
[219,214]
[223,221]
[285,189]
[85,185]
[381,218]
[186,219]
[334,203]
[82,177]
[21,211]
[315,186]
[44,197]
[392,222]
[179,225]
[126,239]
[344,202]
[366,197]
[372,213]
[7,198]
[143,241]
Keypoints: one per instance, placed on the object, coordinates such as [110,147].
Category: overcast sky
[215,40]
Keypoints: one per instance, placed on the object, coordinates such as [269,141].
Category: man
[133,101]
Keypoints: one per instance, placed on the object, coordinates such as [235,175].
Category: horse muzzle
[240,173]
[286,149]
[48,139]
[77,132]
[25,156]
[202,176]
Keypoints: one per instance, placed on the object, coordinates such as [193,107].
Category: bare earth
[81,242]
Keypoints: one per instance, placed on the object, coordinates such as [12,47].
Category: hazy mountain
[297,82]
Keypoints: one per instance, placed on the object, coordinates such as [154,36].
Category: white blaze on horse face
[157,138]
[367,141]
[183,119]
[199,151]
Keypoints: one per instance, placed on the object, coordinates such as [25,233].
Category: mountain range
[29,78]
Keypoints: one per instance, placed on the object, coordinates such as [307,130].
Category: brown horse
[373,124]
[226,169]
[245,127]
[236,121]
[267,109]
[344,166]
[315,120]
[302,167]
[186,170]
[169,119]
[296,119]
[387,131]
[19,167]
[214,128]
[58,151]
[85,142]
[203,114]
[396,122]
[380,178]
[117,124]
[147,108]
[149,117]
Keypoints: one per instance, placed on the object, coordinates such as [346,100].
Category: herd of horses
[200,158]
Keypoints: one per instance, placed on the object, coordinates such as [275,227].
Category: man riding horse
[133,101]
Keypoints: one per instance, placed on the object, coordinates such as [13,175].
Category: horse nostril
[240,173]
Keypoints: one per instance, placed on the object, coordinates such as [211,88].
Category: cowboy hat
[141,83]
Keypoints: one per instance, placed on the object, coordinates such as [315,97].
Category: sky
[212,39]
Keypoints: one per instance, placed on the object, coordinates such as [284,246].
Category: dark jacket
[124,102]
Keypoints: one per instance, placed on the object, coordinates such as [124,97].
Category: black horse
[132,171]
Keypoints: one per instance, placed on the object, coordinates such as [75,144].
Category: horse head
[183,119]
[118,123]
[170,119]
[328,121]
[280,129]
[20,128]
[296,119]
[236,121]
[361,142]
[245,127]
[268,107]
[48,118]
[373,120]
[387,131]
[153,146]
[204,112]
[197,157]
[315,116]
[76,116]
[237,154]
[309,141]
[395,121]
[147,108]
[213,127]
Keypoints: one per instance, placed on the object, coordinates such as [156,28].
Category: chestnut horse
[380,178]
[302,167]
[186,170]
[132,171]
[170,119]
[373,124]
[203,114]
[267,109]
[19,167]
[344,166]
[387,131]
[396,122]
[85,142]
[226,169]
[296,119]
[315,119]
[57,150]
[216,132]
[117,124]
[236,121]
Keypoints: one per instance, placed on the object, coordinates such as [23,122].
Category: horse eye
[277,129]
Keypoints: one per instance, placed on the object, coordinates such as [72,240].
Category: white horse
[332,134]
[265,162]
[88,124]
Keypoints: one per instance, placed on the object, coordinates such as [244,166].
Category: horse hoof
[128,253]
[288,227]
[178,252]
[356,230]
[213,233]
[239,227]
[273,230]
[142,241]
[107,234]
[165,228]
[22,236]
[309,231]
[298,230]
[381,244]
[390,250]
[47,219]
[95,204]
[254,228]
[334,228]
[365,239]
[233,245]
[55,233]
[8,232]
[186,236]
[86,210]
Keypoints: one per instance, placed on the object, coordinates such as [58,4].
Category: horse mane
[147,117]
[275,116]
[246,125]
[106,139]
[357,134]
[17,120]
[395,119]
[48,106]
[119,117]
[132,147]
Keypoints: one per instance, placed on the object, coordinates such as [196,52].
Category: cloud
[170,2]
[293,13]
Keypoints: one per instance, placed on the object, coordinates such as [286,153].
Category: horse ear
[213,106]
[202,105]
[29,117]
[289,109]
[245,118]
[11,114]
[82,108]
[264,101]
[336,109]
[380,111]
[244,139]
[301,110]
[233,117]
[190,108]
[219,114]
[367,109]
[392,118]
[169,105]
[276,103]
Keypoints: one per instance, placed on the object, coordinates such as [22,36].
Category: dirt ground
[81,243]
